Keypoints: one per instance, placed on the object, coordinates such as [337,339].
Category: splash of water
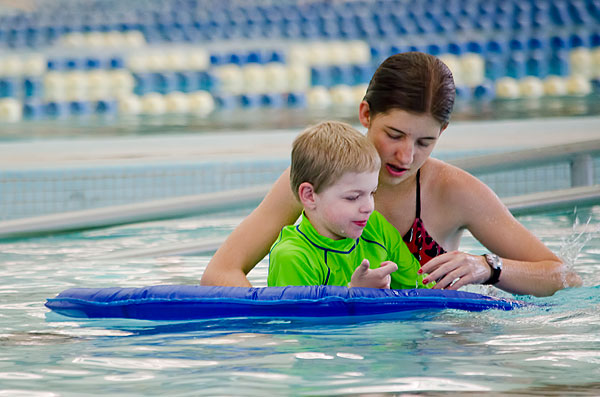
[573,244]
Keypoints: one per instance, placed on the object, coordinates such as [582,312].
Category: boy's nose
[368,206]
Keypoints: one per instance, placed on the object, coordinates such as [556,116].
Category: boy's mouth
[360,223]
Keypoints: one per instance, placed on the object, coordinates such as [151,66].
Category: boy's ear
[306,192]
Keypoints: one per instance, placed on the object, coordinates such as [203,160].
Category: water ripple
[553,340]
[26,393]
[19,375]
[413,384]
[313,356]
[262,375]
[149,363]
[135,377]
[589,357]
[350,356]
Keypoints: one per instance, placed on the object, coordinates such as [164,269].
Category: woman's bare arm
[529,267]
[251,240]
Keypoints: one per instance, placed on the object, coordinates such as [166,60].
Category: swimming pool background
[45,175]
[25,193]
[551,351]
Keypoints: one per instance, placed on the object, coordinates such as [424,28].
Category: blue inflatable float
[188,302]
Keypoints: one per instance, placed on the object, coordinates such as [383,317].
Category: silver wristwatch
[495,263]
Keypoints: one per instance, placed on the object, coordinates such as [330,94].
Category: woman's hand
[455,269]
[373,278]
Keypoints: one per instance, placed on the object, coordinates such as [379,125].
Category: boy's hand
[373,278]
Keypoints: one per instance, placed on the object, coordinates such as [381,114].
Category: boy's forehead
[357,180]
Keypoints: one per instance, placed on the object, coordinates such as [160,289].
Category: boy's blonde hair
[323,153]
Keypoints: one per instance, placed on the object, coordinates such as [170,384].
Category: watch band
[495,264]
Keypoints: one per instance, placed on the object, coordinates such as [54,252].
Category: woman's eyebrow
[396,129]
[402,132]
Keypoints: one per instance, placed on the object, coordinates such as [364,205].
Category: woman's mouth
[395,171]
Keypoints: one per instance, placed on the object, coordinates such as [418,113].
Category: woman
[407,106]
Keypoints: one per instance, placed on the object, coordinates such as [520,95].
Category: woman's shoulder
[453,188]
[441,167]
[444,178]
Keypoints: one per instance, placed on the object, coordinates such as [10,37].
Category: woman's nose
[405,152]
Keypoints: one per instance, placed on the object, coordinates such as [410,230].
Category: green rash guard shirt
[301,256]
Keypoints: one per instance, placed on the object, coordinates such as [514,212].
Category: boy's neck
[310,215]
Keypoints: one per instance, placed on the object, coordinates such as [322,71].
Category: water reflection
[548,349]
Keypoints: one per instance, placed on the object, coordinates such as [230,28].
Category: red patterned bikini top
[419,242]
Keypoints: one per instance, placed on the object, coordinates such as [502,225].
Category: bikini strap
[418,194]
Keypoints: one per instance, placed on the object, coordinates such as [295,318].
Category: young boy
[334,174]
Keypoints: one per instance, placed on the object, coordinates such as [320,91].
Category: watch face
[494,261]
[496,264]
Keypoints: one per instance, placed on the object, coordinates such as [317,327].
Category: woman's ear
[306,192]
[443,128]
[364,114]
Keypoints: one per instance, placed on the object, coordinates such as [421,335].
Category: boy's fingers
[364,265]
[388,267]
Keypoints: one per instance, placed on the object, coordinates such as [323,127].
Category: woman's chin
[390,176]
[388,179]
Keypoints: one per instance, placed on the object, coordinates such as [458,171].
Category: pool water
[548,350]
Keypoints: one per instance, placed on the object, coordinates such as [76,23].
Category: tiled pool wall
[27,193]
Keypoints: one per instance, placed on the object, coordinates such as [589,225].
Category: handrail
[579,154]
[525,158]
[553,200]
[130,213]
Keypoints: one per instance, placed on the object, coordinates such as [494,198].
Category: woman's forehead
[407,122]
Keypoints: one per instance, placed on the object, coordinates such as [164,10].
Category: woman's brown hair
[415,82]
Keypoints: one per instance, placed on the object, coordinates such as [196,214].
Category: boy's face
[342,209]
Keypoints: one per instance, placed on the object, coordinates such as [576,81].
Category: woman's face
[404,141]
